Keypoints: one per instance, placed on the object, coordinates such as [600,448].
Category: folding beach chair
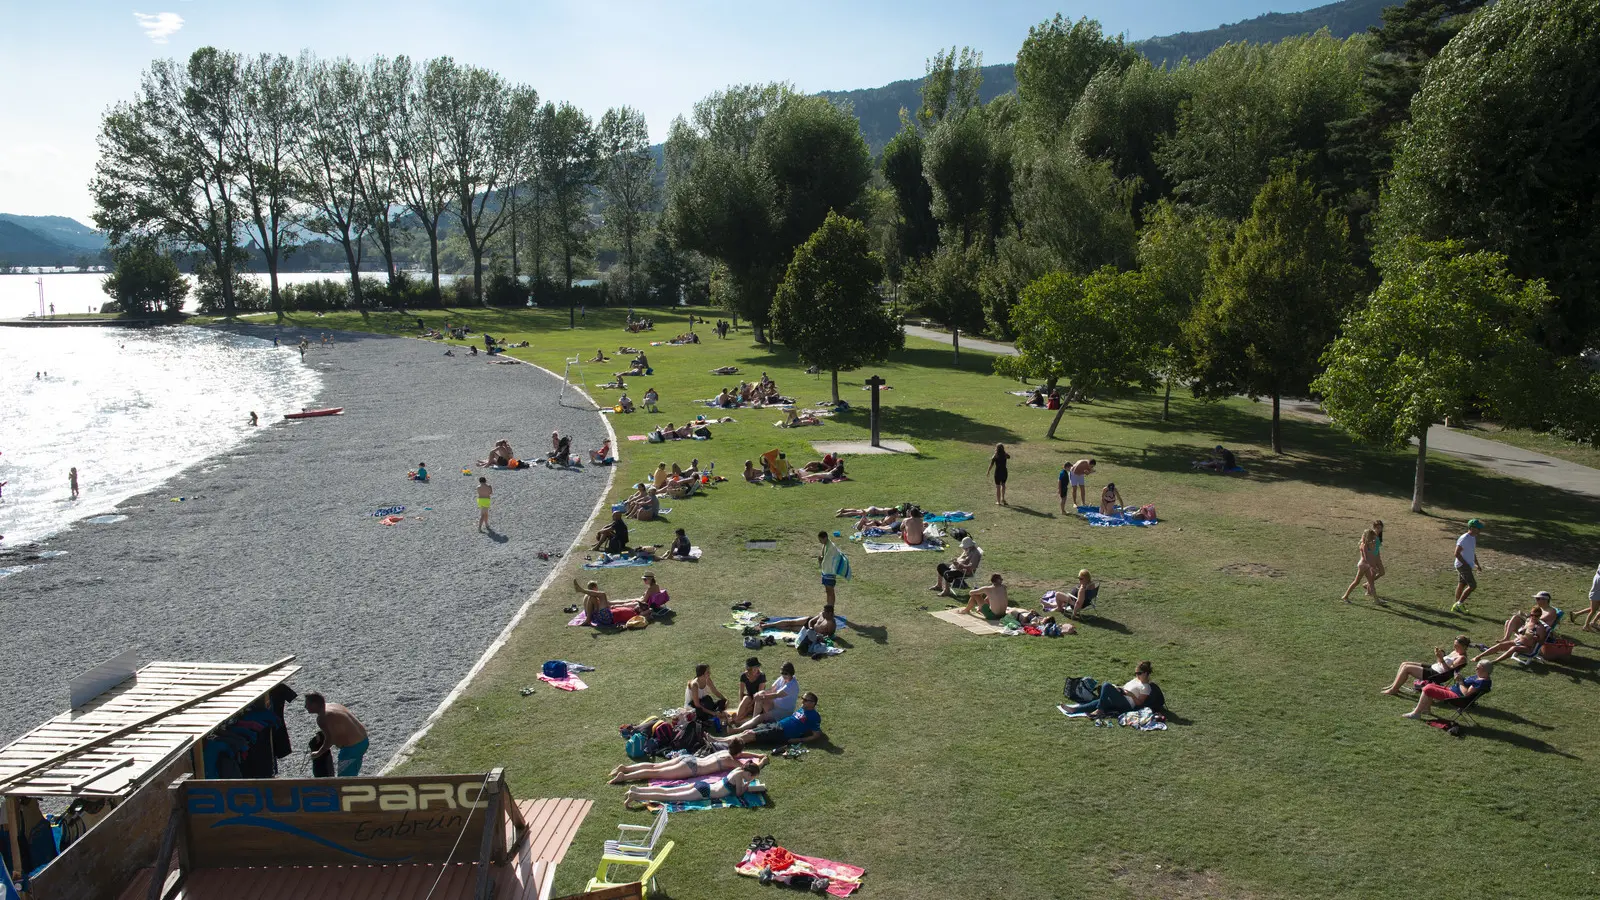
[646,881]
[1462,714]
[1539,651]
[633,845]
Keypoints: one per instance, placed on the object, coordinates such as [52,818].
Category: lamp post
[875,382]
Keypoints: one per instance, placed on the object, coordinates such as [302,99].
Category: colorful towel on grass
[952,516]
[748,801]
[617,562]
[1100,520]
[843,878]
[582,618]
[569,683]
[636,437]
[619,507]
[901,546]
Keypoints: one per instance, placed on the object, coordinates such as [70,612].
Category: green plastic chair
[646,881]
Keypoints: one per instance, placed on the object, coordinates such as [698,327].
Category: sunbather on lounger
[599,609]
[1467,688]
[990,601]
[687,766]
[733,784]
[1527,640]
[1081,593]
[1443,668]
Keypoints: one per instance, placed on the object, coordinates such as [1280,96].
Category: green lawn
[948,772]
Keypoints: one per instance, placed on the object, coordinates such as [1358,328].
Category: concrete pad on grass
[861,448]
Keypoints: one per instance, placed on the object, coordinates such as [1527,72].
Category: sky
[66,62]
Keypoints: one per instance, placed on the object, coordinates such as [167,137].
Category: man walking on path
[340,728]
[484,493]
[1466,563]
[72,481]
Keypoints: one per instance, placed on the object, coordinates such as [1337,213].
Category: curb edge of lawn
[403,755]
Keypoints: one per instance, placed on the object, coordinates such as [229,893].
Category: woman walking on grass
[1366,565]
[997,465]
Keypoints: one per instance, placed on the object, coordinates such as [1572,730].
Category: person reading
[1114,701]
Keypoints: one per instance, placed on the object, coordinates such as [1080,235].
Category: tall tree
[827,307]
[1122,119]
[1174,251]
[1057,61]
[818,162]
[144,278]
[569,161]
[916,231]
[1446,332]
[1087,331]
[950,86]
[328,165]
[268,128]
[1273,298]
[378,172]
[419,163]
[628,183]
[486,130]
[1500,153]
[165,166]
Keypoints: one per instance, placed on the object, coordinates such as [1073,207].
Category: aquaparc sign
[332,821]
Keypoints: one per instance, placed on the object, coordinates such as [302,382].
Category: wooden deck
[526,876]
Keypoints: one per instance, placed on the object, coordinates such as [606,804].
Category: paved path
[967,343]
[1492,455]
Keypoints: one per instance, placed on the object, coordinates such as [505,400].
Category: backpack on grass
[556,669]
[1082,690]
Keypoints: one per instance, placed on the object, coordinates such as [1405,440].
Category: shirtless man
[484,493]
[993,597]
[341,729]
[1076,475]
[912,530]
[823,624]
[72,481]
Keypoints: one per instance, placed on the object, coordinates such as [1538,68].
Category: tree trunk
[759,332]
[572,302]
[355,272]
[628,249]
[272,278]
[1422,471]
[1051,434]
[433,259]
[835,387]
[1277,427]
[955,350]
[516,273]
[1166,404]
[477,270]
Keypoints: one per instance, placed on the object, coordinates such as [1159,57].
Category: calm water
[129,408]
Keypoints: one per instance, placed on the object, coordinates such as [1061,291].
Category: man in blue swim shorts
[341,729]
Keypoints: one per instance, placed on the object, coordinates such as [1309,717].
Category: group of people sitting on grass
[639,366]
[599,610]
[635,325]
[1524,636]
[707,738]
[776,468]
[1044,399]
[758,393]
[695,428]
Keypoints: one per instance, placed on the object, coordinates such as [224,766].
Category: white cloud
[160,26]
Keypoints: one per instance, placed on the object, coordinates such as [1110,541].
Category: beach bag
[556,669]
[637,622]
[635,747]
[1082,690]
[654,437]
[1157,700]
[702,431]
[1051,629]
[752,642]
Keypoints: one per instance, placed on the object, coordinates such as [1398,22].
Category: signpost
[875,382]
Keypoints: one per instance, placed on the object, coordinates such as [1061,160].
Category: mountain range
[59,241]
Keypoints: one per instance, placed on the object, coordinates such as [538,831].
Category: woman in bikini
[687,766]
[997,465]
[1364,565]
[736,783]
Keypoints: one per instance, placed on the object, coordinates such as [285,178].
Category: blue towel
[956,516]
[1098,520]
[617,562]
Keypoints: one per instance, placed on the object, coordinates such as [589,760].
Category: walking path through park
[967,343]
[1492,455]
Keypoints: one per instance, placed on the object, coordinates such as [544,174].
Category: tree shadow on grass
[1525,519]
[932,358]
[1030,511]
[930,424]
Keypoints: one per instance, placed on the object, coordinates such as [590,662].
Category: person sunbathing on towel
[964,564]
[1443,668]
[1026,617]
[499,455]
[599,356]
[827,462]
[827,477]
[684,767]
[1526,641]
[853,513]
[1465,689]
[992,599]
[822,624]
[599,610]
[736,783]
[725,370]
[890,522]
[803,725]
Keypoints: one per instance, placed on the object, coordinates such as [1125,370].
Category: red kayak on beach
[313,413]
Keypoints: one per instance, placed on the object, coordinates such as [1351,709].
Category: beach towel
[617,562]
[1099,520]
[636,437]
[748,801]
[1143,720]
[901,546]
[569,683]
[582,618]
[967,621]
[694,555]
[953,516]
[389,511]
[843,878]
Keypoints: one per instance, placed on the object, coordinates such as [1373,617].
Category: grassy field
[947,770]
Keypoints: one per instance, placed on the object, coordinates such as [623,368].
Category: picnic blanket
[569,683]
[748,801]
[619,507]
[967,621]
[952,516]
[843,878]
[617,562]
[930,543]
[1100,520]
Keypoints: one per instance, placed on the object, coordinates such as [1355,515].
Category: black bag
[1081,690]
[1156,701]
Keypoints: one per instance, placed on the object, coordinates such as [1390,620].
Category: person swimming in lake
[254,420]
